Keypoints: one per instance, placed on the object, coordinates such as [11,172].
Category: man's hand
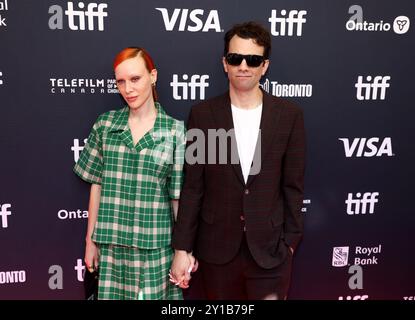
[182,266]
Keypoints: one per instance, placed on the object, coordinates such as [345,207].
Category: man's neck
[245,99]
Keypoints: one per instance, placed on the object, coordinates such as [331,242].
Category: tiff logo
[359,205]
[76,148]
[367,147]
[80,269]
[282,25]
[4,212]
[357,297]
[369,90]
[196,82]
[77,18]
[1,81]
[197,21]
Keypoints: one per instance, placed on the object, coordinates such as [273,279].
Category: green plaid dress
[135,218]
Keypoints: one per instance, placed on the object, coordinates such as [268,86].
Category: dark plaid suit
[217,209]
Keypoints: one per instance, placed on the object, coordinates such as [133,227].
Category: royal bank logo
[287,90]
[287,23]
[189,87]
[79,17]
[368,255]
[340,256]
[356,22]
[195,20]
[5,212]
[363,256]
[4,6]
[82,86]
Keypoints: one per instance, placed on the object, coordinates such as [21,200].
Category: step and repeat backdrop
[348,64]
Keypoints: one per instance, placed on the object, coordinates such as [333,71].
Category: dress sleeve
[89,166]
[175,180]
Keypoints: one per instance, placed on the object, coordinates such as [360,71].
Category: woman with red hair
[133,160]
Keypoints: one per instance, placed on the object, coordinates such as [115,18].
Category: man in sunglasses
[243,220]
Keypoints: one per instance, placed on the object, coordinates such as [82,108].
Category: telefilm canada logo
[356,22]
[287,90]
[4,6]
[82,86]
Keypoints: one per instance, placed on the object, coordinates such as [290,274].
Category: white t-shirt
[246,123]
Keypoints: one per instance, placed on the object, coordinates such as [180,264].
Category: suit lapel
[269,122]
[222,114]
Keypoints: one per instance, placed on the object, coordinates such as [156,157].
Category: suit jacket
[217,207]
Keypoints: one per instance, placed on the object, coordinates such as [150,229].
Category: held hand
[194,264]
[179,268]
[91,256]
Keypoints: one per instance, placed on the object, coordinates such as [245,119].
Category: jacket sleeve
[293,182]
[191,196]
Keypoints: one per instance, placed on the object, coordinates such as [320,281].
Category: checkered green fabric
[137,181]
[136,274]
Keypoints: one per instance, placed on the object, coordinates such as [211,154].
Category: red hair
[132,52]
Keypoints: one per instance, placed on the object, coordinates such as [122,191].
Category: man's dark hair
[250,30]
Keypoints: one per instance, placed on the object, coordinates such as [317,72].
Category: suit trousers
[243,279]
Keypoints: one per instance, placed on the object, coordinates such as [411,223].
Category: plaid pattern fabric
[137,181]
[136,274]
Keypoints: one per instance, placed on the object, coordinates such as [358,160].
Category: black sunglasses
[252,60]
